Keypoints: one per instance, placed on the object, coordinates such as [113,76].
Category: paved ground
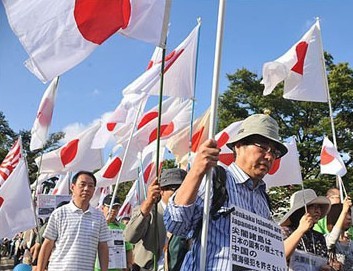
[6,264]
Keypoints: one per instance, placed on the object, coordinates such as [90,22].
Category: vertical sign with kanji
[255,242]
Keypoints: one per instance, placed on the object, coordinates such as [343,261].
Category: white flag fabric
[301,68]
[62,186]
[132,199]
[285,170]
[179,143]
[58,34]
[331,161]
[74,155]
[39,132]
[180,68]
[99,194]
[16,209]
[10,161]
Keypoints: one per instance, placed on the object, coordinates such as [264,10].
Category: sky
[255,31]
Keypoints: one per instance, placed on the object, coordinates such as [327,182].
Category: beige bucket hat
[305,197]
[262,125]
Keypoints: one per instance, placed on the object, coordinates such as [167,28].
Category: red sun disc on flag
[113,169]
[226,158]
[165,130]
[195,141]
[146,119]
[97,20]
[275,166]
[326,158]
[1,201]
[222,140]
[45,112]
[68,153]
[301,50]
[147,172]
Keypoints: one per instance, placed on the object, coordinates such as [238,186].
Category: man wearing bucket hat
[255,147]
[300,240]
[141,228]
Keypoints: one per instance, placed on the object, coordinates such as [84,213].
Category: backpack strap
[220,195]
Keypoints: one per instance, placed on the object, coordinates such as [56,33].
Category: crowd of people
[164,232]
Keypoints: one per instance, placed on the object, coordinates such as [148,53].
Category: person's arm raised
[206,158]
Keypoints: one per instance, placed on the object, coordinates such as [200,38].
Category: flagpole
[155,260]
[339,182]
[193,99]
[214,103]
[124,157]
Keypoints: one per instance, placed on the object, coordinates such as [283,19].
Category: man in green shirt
[117,256]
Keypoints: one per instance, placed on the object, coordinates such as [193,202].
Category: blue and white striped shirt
[181,220]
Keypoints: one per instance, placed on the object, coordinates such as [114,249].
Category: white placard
[117,252]
[304,261]
[255,243]
[47,203]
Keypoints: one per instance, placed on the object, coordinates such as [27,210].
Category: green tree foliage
[307,121]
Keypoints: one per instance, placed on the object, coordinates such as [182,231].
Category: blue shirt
[181,220]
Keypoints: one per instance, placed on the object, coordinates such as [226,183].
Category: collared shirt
[76,235]
[181,220]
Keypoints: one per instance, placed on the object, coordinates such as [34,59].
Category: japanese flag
[285,170]
[302,69]
[39,132]
[331,161]
[74,155]
[59,34]
[180,68]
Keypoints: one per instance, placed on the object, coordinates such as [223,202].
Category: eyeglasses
[268,149]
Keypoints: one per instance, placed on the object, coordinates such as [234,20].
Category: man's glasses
[268,149]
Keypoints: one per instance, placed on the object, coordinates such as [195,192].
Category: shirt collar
[243,178]
[75,209]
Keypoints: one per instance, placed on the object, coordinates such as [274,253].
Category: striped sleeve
[180,220]
[104,234]
[51,231]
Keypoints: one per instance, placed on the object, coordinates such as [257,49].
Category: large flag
[10,161]
[285,170]
[180,144]
[74,155]
[331,161]
[16,209]
[60,34]
[42,122]
[301,68]
[180,68]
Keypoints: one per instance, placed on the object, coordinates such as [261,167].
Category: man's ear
[72,187]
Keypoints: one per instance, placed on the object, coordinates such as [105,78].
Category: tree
[308,121]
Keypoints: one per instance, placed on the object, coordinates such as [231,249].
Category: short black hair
[83,172]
